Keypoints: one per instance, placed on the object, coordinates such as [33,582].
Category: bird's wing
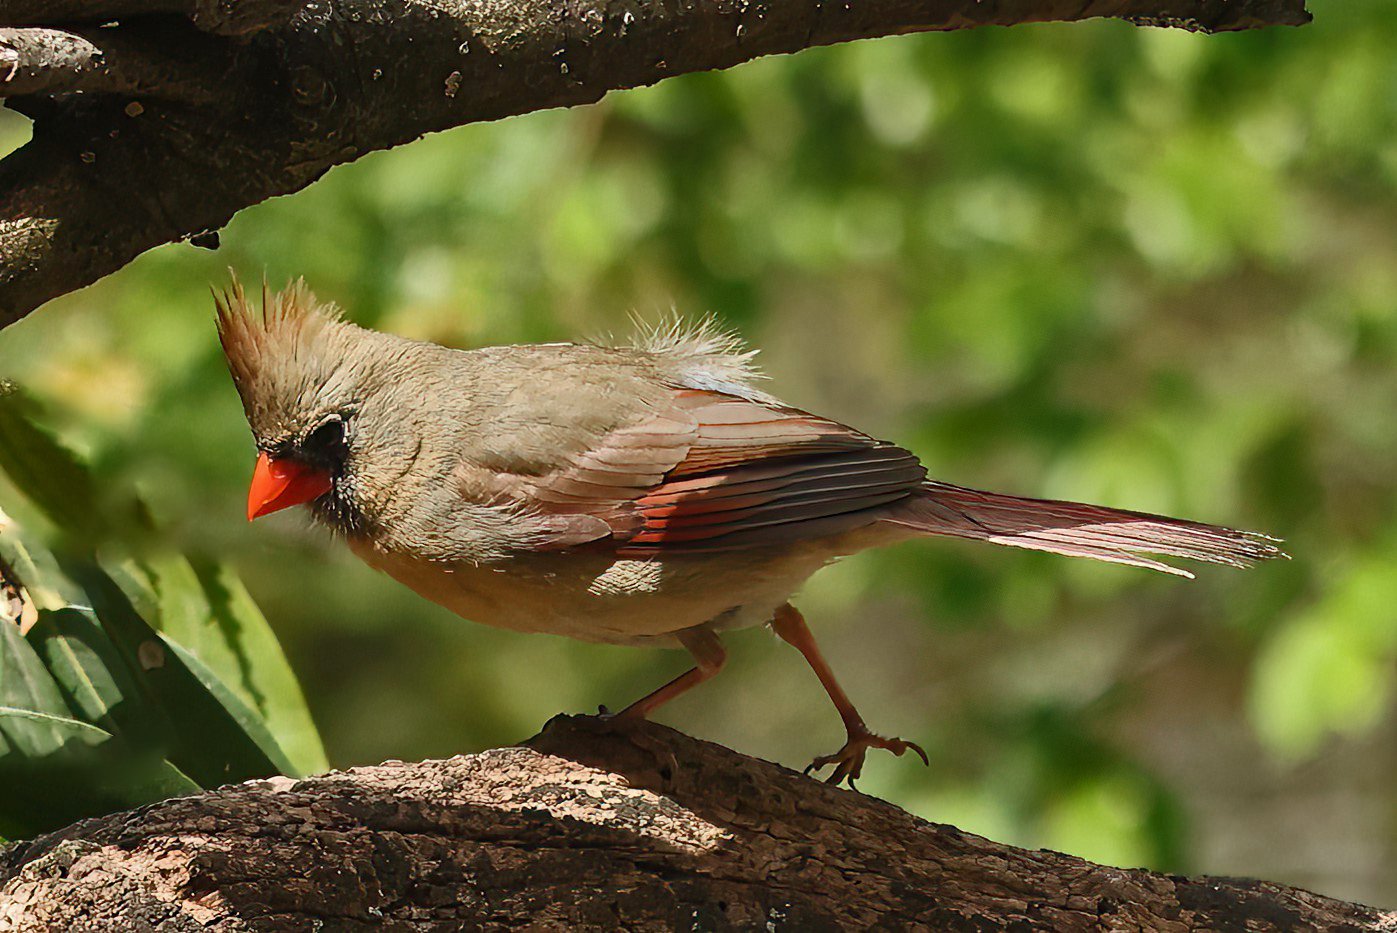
[712,471]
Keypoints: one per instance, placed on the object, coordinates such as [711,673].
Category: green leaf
[208,741]
[55,769]
[97,685]
[247,718]
[36,569]
[25,684]
[207,611]
[265,674]
[88,773]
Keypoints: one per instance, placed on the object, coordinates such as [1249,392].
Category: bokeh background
[1135,267]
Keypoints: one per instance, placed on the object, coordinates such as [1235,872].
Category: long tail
[1077,529]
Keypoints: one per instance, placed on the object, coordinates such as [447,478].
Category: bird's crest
[288,320]
[284,356]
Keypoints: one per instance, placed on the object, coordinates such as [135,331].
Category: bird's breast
[597,597]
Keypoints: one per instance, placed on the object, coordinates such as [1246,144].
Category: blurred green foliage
[140,677]
[1130,266]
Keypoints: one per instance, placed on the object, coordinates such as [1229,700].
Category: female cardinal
[641,495]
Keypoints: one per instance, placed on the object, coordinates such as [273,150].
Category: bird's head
[305,378]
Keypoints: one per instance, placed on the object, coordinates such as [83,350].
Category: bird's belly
[596,597]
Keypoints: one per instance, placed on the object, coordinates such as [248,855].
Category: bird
[648,493]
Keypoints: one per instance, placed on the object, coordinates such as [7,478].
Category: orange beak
[280,484]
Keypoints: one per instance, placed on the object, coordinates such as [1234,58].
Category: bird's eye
[326,438]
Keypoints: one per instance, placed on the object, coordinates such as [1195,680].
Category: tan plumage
[634,494]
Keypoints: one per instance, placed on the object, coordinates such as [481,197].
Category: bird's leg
[790,625]
[707,650]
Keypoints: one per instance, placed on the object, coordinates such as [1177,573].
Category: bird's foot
[848,761]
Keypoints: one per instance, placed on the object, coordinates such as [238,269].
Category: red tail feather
[1078,530]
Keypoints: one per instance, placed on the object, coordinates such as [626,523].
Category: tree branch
[590,827]
[160,127]
[224,17]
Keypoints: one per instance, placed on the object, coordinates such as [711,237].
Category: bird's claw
[848,761]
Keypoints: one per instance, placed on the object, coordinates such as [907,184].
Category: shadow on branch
[588,825]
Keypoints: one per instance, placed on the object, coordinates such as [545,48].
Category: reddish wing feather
[717,472]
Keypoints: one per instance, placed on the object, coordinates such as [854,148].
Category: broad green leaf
[209,614]
[248,719]
[54,768]
[88,772]
[25,684]
[36,568]
[98,686]
[266,675]
[208,742]
[81,666]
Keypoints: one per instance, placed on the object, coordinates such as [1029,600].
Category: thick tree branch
[128,62]
[159,127]
[225,17]
[589,828]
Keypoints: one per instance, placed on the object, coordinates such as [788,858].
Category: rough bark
[587,826]
[157,120]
